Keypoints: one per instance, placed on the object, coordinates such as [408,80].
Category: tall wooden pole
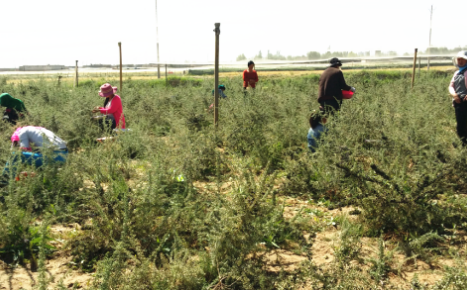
[121,81]
[414,66]
[76,74]
[429,41]
[157,42]
[216,74]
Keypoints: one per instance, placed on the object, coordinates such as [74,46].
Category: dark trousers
[461,118]
[11,116]
[107,122]
[331,106]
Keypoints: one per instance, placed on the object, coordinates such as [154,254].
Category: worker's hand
[95,110]
[352,89]
[457,99]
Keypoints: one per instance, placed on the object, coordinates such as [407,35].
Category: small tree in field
[259,55]
[241,57]
[313,55]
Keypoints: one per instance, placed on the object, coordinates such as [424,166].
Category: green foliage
[381,265]
[350,244]
[387,155]
[421,247]
[455,279]
[175,204]
[20,241]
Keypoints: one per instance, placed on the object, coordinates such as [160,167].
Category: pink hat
[15,136]
[107,90]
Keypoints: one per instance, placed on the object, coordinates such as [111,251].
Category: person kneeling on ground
[112,111]
[221,89]
[317,122]
[15,108]
[331,84]
[32,141]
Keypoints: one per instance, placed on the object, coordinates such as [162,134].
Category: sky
[36,32]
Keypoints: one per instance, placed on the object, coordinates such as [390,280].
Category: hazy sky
[62,31]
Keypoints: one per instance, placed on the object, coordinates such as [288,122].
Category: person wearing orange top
[250,77]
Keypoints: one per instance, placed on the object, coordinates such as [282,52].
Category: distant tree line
[311,55]
[444,50]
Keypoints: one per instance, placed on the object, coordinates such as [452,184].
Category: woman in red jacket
[112,111]
[250,77]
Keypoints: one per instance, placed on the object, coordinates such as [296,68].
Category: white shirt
[40,137]
[109,103]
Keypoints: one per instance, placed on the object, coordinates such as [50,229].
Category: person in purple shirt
[458,91]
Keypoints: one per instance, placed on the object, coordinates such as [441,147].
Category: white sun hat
[462,54]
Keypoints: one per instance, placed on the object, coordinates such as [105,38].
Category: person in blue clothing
[30,142]
[317,128]
[221,89]
[458,91]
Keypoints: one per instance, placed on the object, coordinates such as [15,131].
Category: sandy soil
[58,267]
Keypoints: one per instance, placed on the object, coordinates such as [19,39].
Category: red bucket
[347,94]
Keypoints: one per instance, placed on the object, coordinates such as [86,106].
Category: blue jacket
[221,94]
[314,135]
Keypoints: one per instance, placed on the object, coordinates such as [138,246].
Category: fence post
[414,65]
[216,74]
[76,74]
[166,80]
[121,82]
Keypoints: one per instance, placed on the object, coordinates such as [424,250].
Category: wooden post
[166,80]
[216,74]
[157,43]
[429,43]
[76,74]
[414,66]
[121,81]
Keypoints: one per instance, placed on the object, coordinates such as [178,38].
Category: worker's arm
[114,106]
[343,84]
[452,91]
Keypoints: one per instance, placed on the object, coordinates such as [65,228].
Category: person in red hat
[112,110]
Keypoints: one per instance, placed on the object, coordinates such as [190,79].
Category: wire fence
[265,65]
